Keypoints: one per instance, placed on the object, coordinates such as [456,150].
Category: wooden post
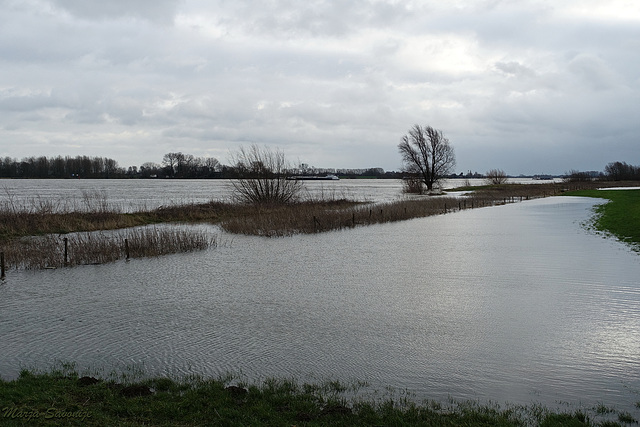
[315,228]
[445,208]
[66,251]
[370,213]
[2,275]
[353,219]
[126,248]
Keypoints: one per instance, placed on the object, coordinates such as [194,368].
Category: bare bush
[262,177]
[496,177]
[412,185]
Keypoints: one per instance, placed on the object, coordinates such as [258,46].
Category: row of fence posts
[66,256]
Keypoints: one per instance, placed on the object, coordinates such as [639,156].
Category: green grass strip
[620,217]
[62,397]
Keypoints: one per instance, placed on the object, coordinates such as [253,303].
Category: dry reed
[317,216]
[84,248]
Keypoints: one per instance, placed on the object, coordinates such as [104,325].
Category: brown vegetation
[32,237]
[54,251]
[496,177]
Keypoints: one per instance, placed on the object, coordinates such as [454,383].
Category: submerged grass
[44,222]
[54,251]
[304,218]
[63,397]
[620,217]
[340,214]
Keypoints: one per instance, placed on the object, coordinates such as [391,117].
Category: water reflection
[512,303]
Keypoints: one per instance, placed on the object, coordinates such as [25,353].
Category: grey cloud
[514,68]
[315,18]
[593,71]
[162,11]
[336,83]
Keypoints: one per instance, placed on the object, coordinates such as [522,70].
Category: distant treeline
[614,171]
[174,165]
[59,167]
[179,165]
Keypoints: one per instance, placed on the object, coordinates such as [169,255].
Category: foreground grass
[620,217]
[62,397]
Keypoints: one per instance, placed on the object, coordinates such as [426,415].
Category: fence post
[353,219]
[126,248]
[66,251]
[2,275]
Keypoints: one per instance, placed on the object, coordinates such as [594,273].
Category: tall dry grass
[41,252]
[317,217]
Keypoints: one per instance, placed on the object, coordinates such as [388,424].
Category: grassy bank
[62,397]
[620,217]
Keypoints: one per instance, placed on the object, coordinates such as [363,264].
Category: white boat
[316,178]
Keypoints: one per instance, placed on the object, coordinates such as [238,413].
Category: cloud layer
[525,86]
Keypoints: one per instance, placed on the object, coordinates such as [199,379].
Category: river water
[136,194]
[515,303]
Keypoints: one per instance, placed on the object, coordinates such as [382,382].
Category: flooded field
[515,303]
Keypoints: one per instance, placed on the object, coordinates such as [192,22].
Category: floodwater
[515,303]
[135,194]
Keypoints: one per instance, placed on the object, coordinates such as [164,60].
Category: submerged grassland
[620,216]
[45,235]
[63,397]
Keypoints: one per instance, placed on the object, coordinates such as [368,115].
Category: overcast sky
[521,85]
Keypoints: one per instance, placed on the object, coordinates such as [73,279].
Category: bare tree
[427,154]
[577,176]
[496,177]
[621,171]
[262,177]
[171,162]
